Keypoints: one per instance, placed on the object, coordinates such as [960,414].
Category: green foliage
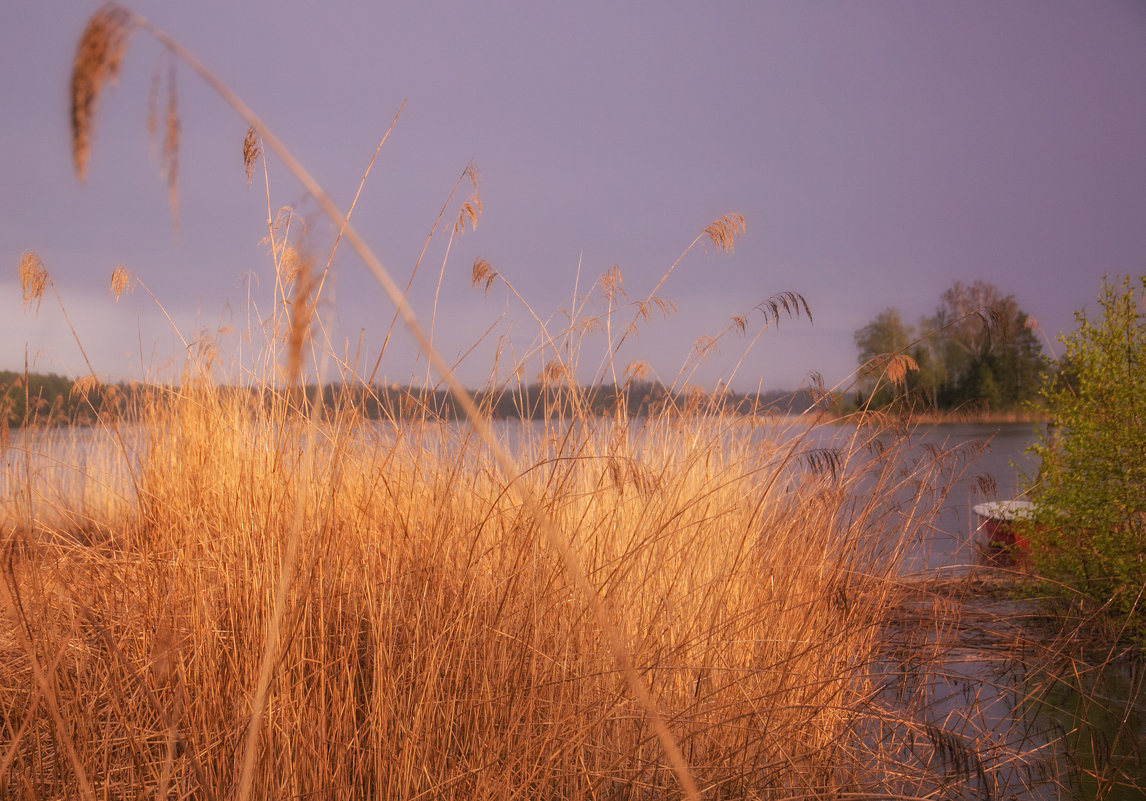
[1091,528]
[47,399]
[887,335]
[978,350]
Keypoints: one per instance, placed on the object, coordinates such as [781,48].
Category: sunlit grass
[433,642]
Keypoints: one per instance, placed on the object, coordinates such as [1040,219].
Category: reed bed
[434,645]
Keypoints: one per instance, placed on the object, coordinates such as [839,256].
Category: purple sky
[878,151]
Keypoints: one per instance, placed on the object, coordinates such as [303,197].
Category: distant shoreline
[954,417]
[985,418]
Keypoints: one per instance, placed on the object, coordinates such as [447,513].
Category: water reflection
[1098,715]
[991,703]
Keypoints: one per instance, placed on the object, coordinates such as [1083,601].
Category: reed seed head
[252,150]
[99,55]
[724,231]
[555,373]
[301,311]
[471,209]
[120,281]
[33,278]
[85,385]
[611,284]
[898,367]
[153,111]
[483,274]
[792,304]
[469,213]
[986,485]
[705,344]
[637,371]
[170,153]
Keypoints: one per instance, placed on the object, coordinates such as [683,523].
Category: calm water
[993,473]
[1084,724]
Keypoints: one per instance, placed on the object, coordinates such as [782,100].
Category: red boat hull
[1001,522]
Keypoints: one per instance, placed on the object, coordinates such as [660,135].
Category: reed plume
[468,213]
[897,368]
[483,274]
[33,278]
[97,63]
[723,232]
[170,151]
[120,281]
[252,150]
[301,313]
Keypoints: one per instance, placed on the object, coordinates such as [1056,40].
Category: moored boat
[998,520]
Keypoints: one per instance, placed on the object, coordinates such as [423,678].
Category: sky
[878,153]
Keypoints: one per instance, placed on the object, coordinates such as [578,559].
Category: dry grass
[376,607]
[433,644]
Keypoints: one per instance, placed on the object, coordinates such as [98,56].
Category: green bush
[1091,527]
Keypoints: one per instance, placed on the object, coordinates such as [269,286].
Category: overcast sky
[878,152]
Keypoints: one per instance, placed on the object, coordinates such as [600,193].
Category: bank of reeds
[433,644]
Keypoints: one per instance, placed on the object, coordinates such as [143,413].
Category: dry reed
[433,645]
[98,59]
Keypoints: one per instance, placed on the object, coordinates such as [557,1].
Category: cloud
[120,341]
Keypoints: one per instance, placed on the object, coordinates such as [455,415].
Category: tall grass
[432,642]
[241,595]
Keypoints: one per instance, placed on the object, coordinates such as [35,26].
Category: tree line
[39,399]
[977,351]
[29,399]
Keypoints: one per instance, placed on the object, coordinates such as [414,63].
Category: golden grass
[433,644]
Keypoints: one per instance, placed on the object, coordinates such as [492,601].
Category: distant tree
[979,348]
[984,349]
[885,338]
[887,333]
[35,398]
